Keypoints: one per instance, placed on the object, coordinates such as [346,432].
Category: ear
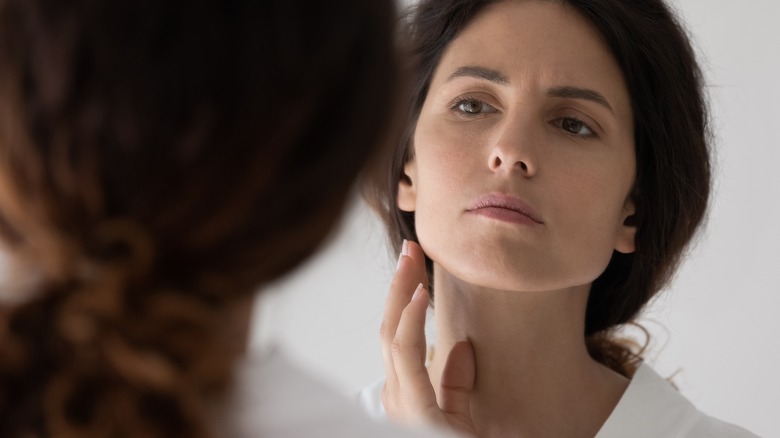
[625,240]
[407,187]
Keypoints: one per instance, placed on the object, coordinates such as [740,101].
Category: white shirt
[272,398]
[650,408]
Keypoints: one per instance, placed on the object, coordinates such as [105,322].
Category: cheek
[589,216]
[445,163]
[441,149]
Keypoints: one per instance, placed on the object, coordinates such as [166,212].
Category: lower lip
[505,215]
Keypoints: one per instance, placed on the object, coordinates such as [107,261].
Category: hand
[408,395]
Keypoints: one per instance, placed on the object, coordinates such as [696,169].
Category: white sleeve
[370,400]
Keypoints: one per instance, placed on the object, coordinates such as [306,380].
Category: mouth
[505,207]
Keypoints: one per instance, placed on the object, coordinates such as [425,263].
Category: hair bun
[118,246]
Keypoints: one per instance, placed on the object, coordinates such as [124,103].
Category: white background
[716,326]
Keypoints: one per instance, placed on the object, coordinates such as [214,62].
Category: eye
[469,106]
[575,126]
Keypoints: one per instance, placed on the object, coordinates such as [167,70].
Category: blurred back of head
[158,161]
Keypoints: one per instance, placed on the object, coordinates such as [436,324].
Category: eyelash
[559,123]
[458,101]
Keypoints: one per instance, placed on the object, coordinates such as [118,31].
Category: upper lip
[509,202]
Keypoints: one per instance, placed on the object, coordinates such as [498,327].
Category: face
[523,153]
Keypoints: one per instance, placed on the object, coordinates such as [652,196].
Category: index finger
[410,273]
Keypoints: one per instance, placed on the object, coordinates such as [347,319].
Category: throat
[532,365]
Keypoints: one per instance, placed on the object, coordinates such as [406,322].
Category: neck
[533,368]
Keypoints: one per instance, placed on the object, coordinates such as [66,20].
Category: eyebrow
[562,92]
[580,93]
[481,73]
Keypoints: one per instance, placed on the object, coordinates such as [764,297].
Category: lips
[500,204]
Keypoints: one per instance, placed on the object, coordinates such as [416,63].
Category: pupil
[572,126]
[472,107]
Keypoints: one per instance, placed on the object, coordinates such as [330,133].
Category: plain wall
[715,327]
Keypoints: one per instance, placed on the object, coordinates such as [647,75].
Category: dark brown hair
[671,139]
[160,160]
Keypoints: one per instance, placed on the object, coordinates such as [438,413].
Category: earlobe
[407,188]
[625,241]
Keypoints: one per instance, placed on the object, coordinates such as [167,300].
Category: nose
[514,149]
[499,161]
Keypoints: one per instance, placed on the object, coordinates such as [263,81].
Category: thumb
[457,382]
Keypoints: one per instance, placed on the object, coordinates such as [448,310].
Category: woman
[554,170]
[159,161]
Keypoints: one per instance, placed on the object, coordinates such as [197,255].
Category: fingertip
[465,347]
[416,253]
[414,249]
[404,253]
[463,361]
[467,352]
[418,292]
[421,298]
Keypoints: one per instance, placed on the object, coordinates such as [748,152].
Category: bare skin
[510,385]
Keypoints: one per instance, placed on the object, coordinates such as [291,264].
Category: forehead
[537,42]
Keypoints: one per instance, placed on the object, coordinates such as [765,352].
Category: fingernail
[404,252]
[417,292]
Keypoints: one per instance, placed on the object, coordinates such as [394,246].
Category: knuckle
[401,346]
[397,346]
[396,282]
[388,400]
[384,331]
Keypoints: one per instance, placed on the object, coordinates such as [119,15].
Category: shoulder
[708,427]
[652,407]
[273,398]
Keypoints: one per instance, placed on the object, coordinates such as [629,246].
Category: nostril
[524,166]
